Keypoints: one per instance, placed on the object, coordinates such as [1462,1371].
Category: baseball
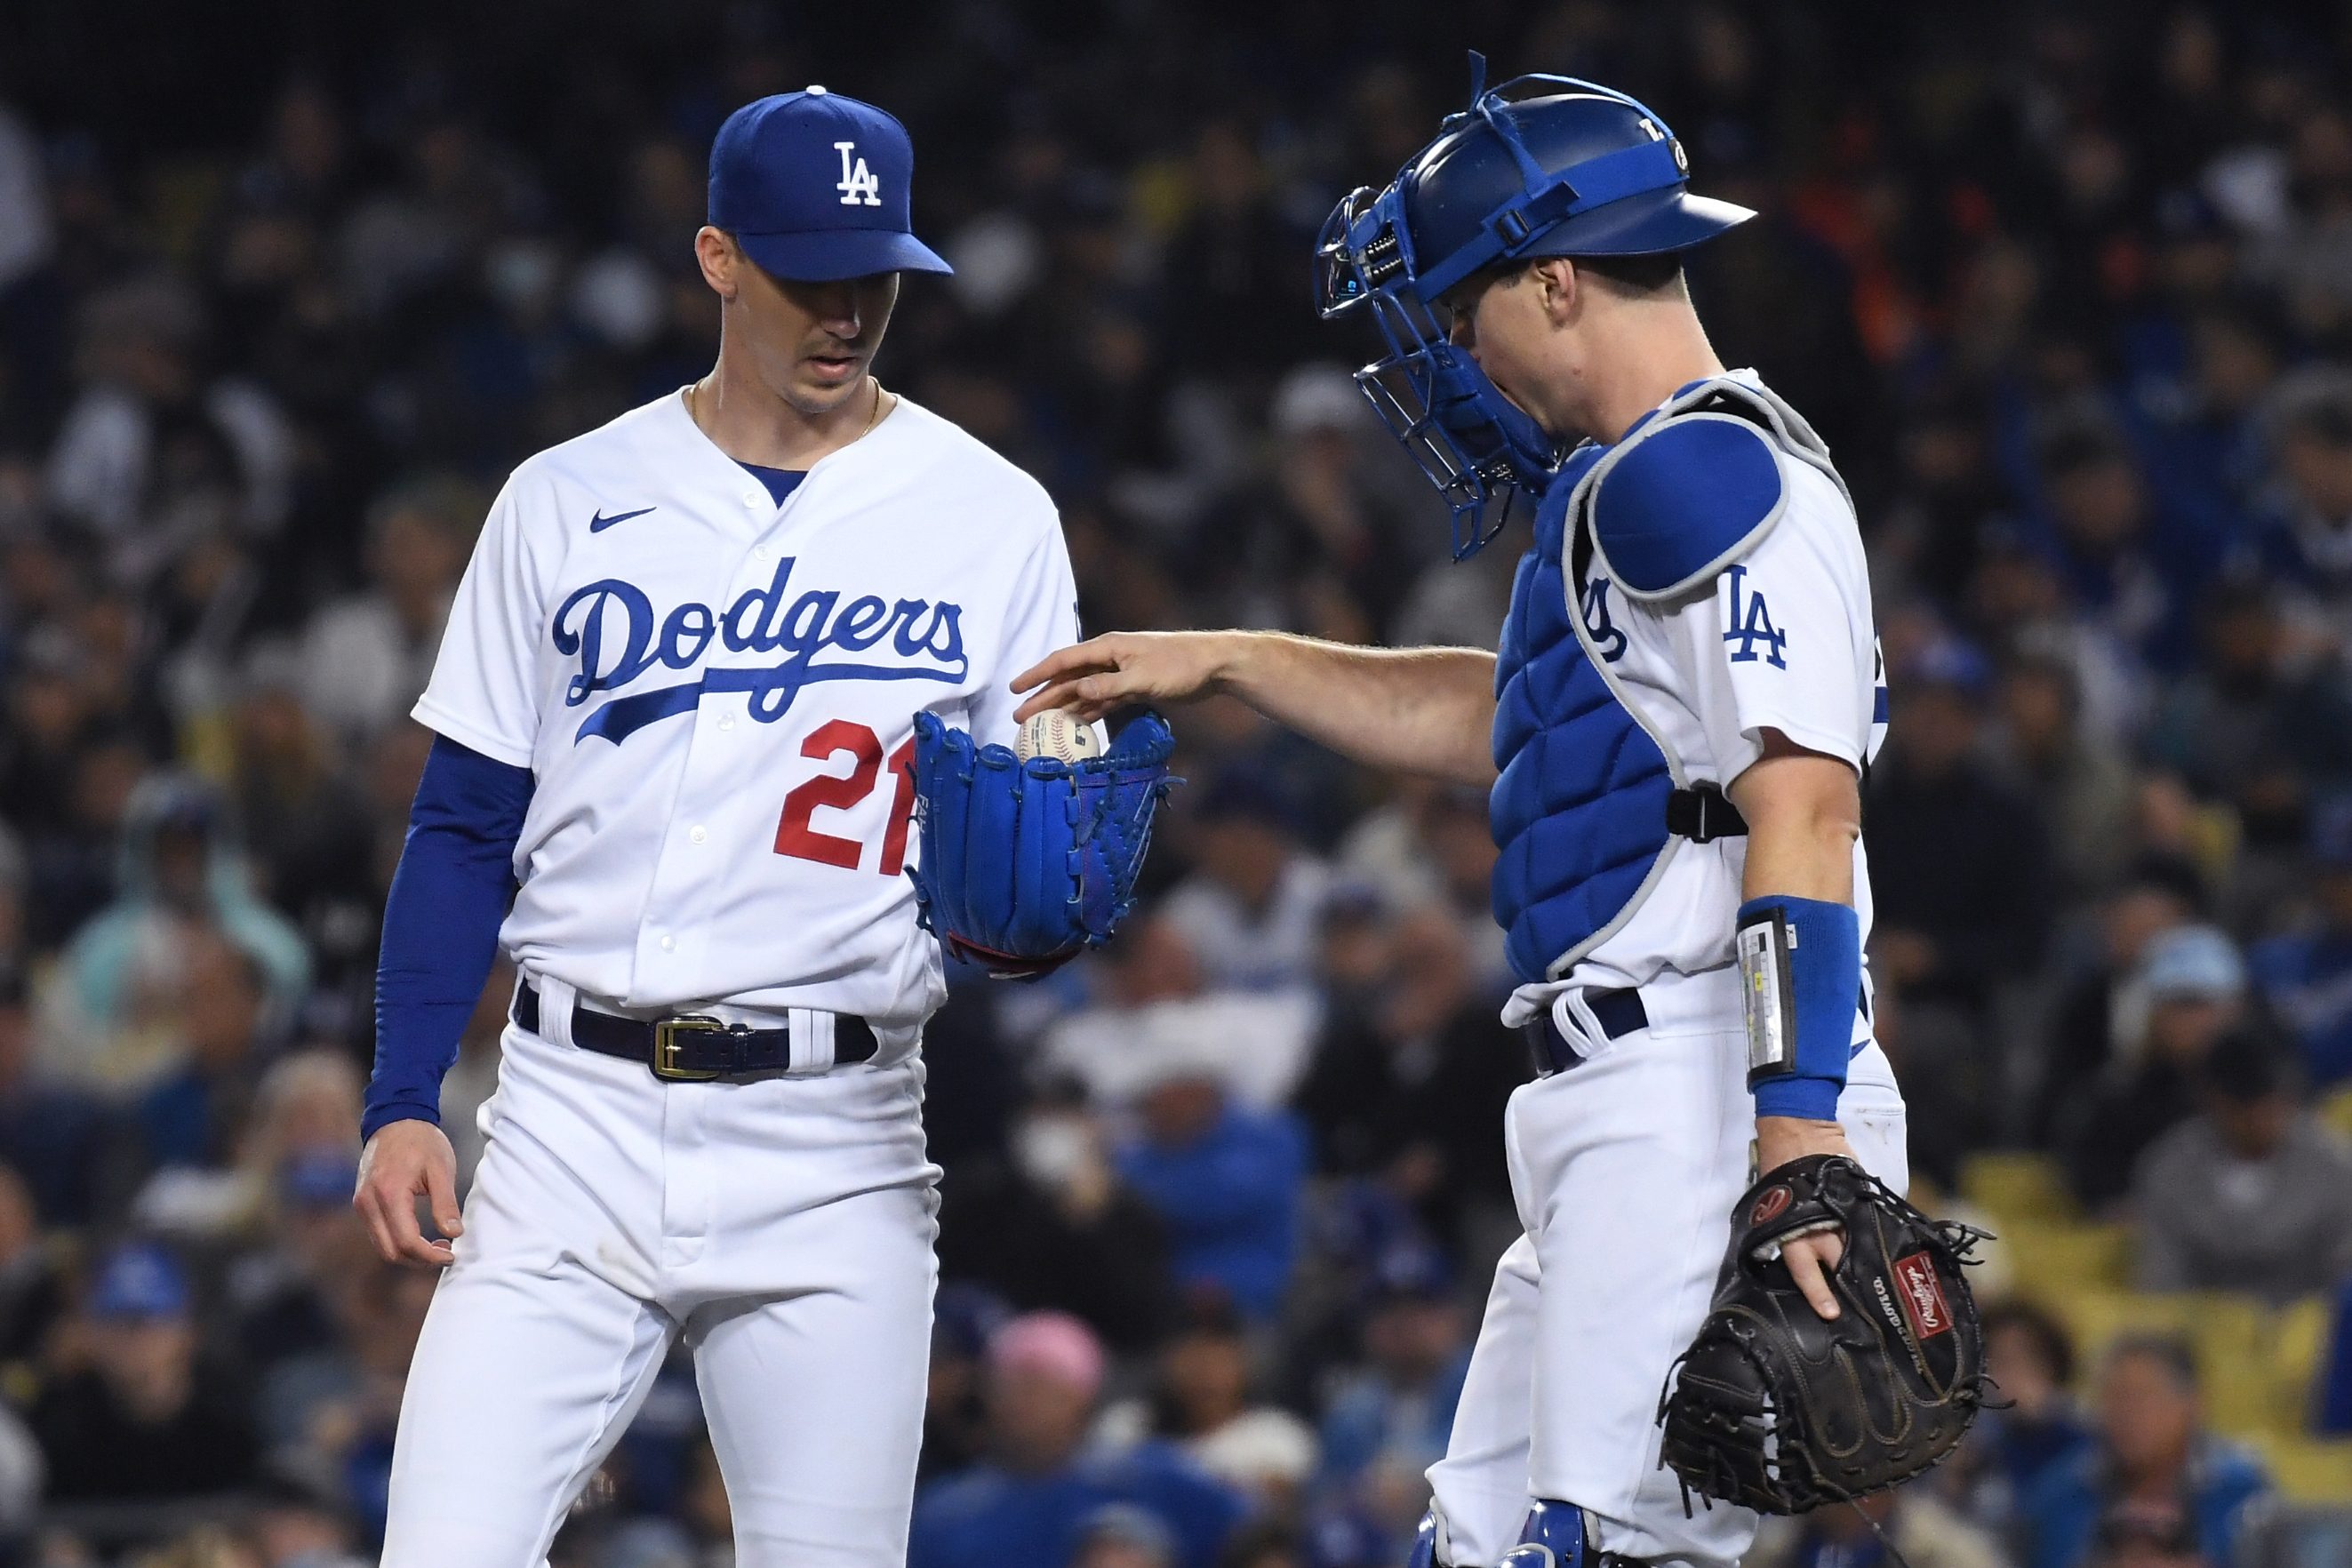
[1054,733]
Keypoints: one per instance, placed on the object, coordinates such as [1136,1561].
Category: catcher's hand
[1780,1409]
[1024,864]
[1120,669]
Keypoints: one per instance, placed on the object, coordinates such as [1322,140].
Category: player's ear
[714,250]
[1559,287]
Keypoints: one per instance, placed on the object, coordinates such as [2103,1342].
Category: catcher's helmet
[1543,165]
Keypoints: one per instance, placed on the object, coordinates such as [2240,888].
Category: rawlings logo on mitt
[1022,865]
[1775,1409]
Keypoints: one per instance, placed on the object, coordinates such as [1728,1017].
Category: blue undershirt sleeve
[441,925]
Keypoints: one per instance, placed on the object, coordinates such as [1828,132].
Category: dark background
[285,292]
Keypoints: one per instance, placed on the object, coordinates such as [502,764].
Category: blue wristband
[1800,979]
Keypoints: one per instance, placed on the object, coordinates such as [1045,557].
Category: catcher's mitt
[1776,1410]
[1024,864]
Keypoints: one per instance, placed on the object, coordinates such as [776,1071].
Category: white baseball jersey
[716,695]
[1785,642]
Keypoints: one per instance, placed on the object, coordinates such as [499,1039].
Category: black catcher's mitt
[1775,1409]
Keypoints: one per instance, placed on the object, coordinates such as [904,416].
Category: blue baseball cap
[140,1280]
[813,187]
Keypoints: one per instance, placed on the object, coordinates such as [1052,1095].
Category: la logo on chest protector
[859,186]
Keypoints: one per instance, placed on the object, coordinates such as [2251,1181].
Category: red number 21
[839,791]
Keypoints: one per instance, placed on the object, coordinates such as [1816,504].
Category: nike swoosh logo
[600,523]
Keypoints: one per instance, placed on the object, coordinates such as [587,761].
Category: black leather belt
[1619,1014]
[695,1047]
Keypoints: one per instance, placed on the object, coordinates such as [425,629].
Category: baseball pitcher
[680,702]
[1675,730]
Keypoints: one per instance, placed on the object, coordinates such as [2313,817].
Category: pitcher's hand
[1092,677]
[403,1160]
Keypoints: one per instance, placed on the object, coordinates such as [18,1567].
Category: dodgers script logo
[928,636]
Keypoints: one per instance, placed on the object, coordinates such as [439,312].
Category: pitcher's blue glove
[1022,866]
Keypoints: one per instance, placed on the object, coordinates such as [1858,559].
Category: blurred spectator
[2147,1534]
[285,1300]
[148,456]
[1926,1531]
[1269,1543]
[305,831]
[32,1277]
[194,1111]
[2031,1359]
[1252,910]
[2253,1194]
[129,1411]
[1121,1535]
[1152,1006]
[1225,1182]
[76,1157]
[2306,976]
[2090,1017]
[1032,1501]
[1412,1069]
[2083,784]
[2260,724]
[2189,990]
[1201,1402]
[964,1318]
[1397,1409]
[178,873]
[2308,543]
[1959,868]
[2151,1451]
[2129,560]
[296,1523]
[1052,1223]
[365,659]
[1431,846]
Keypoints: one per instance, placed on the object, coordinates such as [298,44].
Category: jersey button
[759,552]
[669,943]
[726,720]
[750,501]
[699,833]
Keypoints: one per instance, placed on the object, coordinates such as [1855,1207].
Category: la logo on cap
[857,186]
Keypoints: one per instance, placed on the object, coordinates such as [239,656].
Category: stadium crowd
[2068,289]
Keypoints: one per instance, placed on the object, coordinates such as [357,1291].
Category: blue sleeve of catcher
[1798,1049]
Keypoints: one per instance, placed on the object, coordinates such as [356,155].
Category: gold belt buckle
[667,1046]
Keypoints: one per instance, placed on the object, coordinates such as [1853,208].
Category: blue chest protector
[1580,806]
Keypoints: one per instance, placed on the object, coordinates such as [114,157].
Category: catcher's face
[1493,316]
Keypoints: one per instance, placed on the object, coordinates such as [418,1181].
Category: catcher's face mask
[1543,165]
[1483,454]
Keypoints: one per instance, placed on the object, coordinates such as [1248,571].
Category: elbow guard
[1800,978]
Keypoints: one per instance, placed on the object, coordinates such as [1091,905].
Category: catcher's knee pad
[1429,1547]
[1424,1543]
[1553,1537]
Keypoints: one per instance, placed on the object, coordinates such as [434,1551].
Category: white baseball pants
[1626,1169]
[782,1226]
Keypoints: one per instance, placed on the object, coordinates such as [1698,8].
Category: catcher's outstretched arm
[1427,711]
